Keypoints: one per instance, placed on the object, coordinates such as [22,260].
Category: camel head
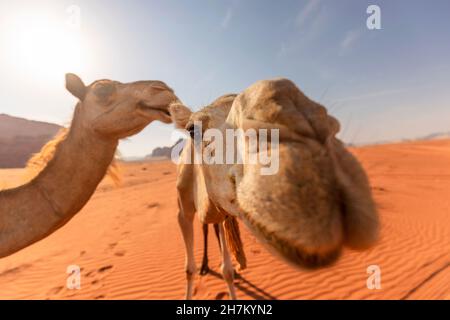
[318,200]
[116,110]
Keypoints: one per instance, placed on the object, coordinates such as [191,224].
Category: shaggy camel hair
[79,158]
[318,201]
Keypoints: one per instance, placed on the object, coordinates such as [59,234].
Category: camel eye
[104,90]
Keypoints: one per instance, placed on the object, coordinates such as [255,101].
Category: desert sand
[128,244]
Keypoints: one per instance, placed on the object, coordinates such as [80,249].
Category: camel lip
[148,112]
[160,108]
[295,256]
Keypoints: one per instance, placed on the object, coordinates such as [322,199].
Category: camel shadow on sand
[245,286]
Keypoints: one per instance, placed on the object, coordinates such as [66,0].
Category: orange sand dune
[127,242]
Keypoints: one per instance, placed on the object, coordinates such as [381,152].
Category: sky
[384,84]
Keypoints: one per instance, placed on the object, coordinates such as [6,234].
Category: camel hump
[234,241]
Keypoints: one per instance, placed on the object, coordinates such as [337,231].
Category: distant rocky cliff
[20,138]
[163,152]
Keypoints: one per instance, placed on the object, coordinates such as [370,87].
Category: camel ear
[180,115]
[75,86]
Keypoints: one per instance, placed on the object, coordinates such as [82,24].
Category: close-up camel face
[317,202]
[221,189]
[117,110]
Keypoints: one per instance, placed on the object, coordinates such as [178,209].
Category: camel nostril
[191,131]
[195,132]
[232,178]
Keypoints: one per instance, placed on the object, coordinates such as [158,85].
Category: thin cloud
[227,18]
[349,40]
[310,23]
[307,11]
[376,94]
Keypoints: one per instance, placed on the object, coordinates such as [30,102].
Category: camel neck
[79,164]
[33,211]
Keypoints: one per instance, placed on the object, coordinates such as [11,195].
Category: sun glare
[40,45]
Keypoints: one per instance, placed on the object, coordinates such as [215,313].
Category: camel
[106,112]
[238,252]
[204,269]
[318,202]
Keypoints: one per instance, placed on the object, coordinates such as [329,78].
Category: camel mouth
[310,261]
[160,108]
[293,254]
[150,111]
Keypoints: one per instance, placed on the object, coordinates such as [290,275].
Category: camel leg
[187,228]
[205,269]
[216,231]
[227,266]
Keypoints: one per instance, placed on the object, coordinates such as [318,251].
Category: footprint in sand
[152,205]
[90,274]
[221,295]
[112,245]
[96,284]
[54,291]
[380,189]
[120,253]
[98,275]
[105,268]
[15,270]
[100,271]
